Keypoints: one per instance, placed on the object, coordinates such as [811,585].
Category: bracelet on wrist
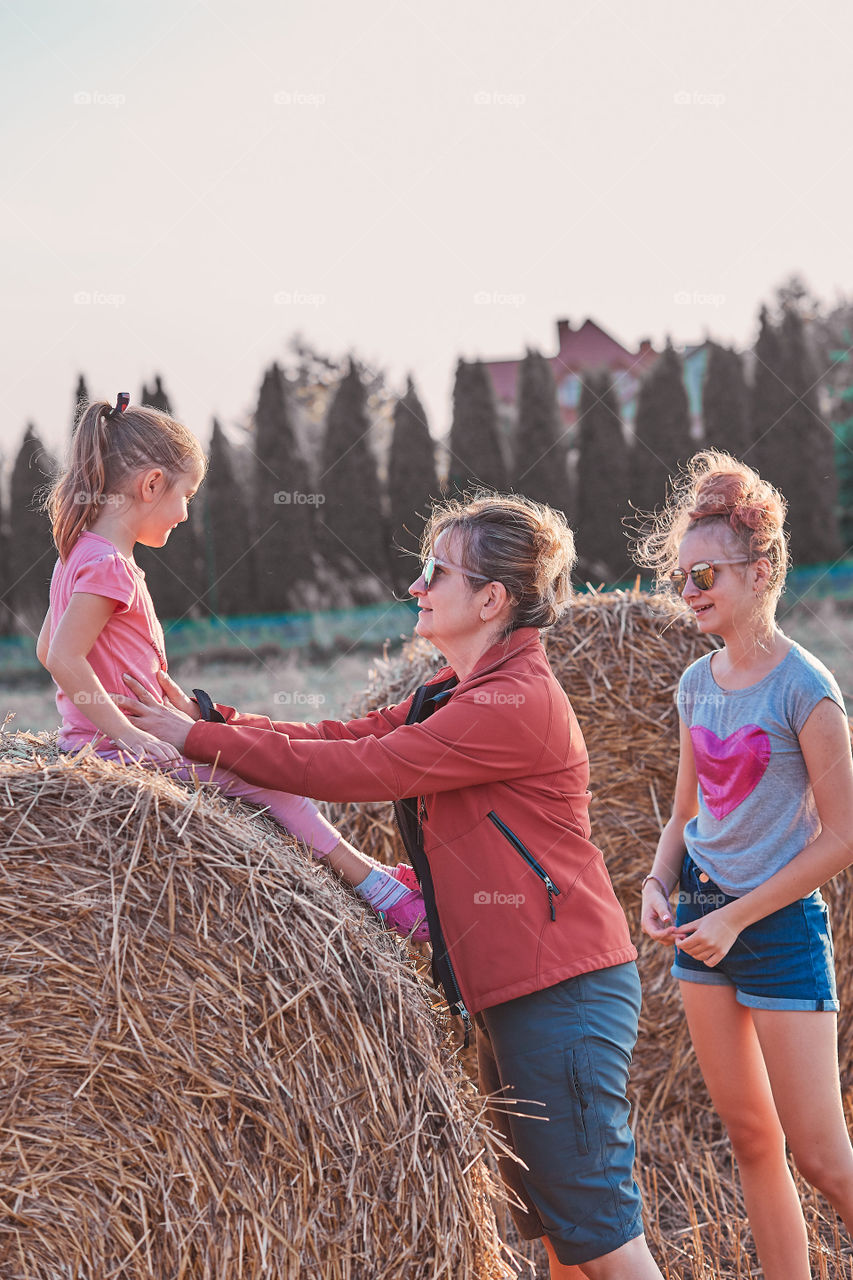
[658,881]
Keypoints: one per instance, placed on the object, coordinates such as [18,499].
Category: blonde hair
[510,539]
[715,490]
[108,447]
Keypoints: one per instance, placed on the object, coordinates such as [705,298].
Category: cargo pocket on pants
[579,1093]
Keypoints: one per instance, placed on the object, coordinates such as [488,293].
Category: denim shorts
[564,1053]
[781,962]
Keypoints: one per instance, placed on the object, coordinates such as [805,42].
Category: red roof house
[588,347]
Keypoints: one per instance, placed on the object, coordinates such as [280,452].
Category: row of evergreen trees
[275,529]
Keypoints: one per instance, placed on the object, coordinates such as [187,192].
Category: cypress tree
[725,402]
[603,478]
[795,447]
[769,397]
[31,550]
[81,399]
[6,617]
[156,396]
[227,542]
[476,457]
[412,484]
[843,425]
[174,574]
[284,524]
[842,422]
[352,526]
[812,502]
[539,463]
[661,431]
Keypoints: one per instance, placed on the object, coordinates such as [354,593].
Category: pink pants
[297,814]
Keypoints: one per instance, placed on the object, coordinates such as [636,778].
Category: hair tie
[122,401]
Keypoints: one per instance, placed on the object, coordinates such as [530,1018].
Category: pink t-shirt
[131,641]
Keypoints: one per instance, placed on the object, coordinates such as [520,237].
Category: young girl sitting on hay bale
[763,815]
[132,473]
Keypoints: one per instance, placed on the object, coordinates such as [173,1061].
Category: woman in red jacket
[489,774]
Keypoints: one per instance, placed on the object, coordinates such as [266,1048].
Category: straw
[214,1062]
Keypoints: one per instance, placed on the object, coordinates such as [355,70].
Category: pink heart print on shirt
[729,769]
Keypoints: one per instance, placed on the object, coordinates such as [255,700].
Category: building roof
[588,347]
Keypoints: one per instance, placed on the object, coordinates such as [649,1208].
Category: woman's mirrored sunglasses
[430,565]
[702,574]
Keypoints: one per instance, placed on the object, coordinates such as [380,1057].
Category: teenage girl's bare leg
[729,1053]
[801,1053]
[632,1261]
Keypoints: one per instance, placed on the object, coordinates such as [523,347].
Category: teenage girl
[132,473]
[763,815]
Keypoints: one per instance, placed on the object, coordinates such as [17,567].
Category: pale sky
[186,183]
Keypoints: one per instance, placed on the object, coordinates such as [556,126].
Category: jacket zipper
[455,1001]
[528,857]
[458,1004]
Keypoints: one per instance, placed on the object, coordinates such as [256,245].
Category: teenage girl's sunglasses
[430,565]
[702,573]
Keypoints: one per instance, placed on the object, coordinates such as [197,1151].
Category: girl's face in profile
[168,507]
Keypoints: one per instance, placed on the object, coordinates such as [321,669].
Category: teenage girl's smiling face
[166,503]
[448,610]
[731,601]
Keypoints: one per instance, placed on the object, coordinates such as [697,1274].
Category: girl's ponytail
[77,497]
[109,446]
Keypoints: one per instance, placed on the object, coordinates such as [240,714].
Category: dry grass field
[287,688]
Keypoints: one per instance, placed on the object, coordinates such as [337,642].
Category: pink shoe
[409,913]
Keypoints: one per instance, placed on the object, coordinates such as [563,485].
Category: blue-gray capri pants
[784,961]
[567,1048]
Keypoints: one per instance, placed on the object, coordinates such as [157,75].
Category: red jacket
[501,771]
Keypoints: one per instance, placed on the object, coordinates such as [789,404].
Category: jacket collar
[522,638]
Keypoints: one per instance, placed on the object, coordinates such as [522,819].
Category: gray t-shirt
[756,807]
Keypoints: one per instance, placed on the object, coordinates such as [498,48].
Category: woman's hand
[656,919]
[711,938]
[144,746]
[177,697]
[152,717]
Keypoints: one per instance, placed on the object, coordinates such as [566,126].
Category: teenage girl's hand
[144,746]
[708,939]
[657,920]
[177,697]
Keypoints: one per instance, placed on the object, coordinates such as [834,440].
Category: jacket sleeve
[469,741]
[374,724]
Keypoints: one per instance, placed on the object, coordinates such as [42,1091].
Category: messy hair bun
[716,490]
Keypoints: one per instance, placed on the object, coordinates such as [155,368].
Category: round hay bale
[619,656]
[213,1060]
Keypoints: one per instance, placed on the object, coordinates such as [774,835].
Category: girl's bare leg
[730,1056]
[801,1053]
